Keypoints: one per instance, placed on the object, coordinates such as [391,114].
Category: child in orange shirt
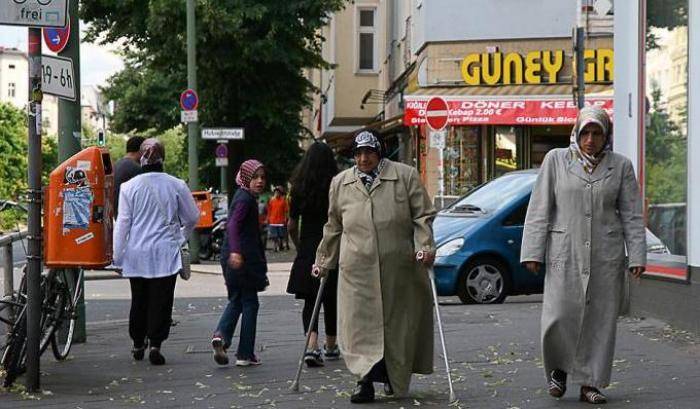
[277,210]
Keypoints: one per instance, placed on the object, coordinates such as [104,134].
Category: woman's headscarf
[591,115]
[152,152]
[246,172]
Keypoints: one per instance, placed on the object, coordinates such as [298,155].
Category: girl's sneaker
[313,358]
[332,354]
[219,351]
[248,362]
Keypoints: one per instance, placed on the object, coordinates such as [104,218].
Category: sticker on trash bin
[83,165]
[82,239]
[76,207]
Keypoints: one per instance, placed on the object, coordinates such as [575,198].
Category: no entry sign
[56,38]
[436,113]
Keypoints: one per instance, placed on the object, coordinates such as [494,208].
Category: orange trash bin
[204,203]
[78,211]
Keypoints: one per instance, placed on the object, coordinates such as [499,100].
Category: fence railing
[6,243]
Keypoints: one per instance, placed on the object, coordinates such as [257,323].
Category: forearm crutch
[431,277]
[314,317]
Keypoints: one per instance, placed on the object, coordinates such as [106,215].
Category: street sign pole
[224,182]
[34,218]
[70,135]
[192,127]
[579,47]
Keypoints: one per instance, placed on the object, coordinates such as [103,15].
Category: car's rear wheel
[484,280]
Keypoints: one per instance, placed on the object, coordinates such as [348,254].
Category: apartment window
[366,39]
[11,89]
[11,66]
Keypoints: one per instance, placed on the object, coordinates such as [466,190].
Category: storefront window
[506,150]
[666,144]
[545,138]
[462,160]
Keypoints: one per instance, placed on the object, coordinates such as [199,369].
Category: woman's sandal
[592,395]
[557,383]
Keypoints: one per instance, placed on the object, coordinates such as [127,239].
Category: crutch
[431,276]
[314,317]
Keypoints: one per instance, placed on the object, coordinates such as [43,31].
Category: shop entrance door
[545,138]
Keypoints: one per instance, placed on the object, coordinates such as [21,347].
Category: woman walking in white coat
[156,216]
[584,210]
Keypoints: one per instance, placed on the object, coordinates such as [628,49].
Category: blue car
[478,242]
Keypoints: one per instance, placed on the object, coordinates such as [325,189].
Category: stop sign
[436,113]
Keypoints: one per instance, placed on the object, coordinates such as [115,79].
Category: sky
[97,62]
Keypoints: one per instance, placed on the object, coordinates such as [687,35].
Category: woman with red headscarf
[245,267]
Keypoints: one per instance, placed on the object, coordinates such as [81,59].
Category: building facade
[507,86]
[657,125]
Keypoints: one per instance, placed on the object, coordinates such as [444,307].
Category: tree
[251,57]
[13,145]
[14,160]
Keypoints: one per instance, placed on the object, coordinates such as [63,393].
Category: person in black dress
[308,213]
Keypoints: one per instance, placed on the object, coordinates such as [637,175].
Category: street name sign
[223,133]
[57,77]
[189,116]
[34,13]
[56,38]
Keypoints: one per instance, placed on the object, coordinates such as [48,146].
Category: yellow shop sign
[535,67]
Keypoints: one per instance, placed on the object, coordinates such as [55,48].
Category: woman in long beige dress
[379,217]
[584,210]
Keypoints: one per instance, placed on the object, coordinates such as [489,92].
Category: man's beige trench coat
[579,225]
[384,296]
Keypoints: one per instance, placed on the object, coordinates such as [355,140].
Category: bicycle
[60,295]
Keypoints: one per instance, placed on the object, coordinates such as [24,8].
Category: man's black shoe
[364,393]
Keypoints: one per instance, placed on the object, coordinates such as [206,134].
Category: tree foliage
[667,14]
[14,160]
[250,60]
[13,145]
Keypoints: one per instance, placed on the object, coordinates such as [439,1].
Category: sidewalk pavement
[494,355]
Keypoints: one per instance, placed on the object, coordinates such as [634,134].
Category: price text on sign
[34,13]
[58,77]
[223,133]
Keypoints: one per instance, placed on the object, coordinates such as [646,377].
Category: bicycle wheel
[62,338]
[55,296]
[14,357]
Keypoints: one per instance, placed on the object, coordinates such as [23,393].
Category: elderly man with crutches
[379,222]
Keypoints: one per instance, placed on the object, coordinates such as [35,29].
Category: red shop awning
[472,110]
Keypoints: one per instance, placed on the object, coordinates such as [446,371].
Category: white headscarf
[591,115]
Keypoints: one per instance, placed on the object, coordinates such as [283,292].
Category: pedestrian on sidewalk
[244,266]
[379,218]
[308,214]
[277,211]
[584,211]
[127,167]
[157,215]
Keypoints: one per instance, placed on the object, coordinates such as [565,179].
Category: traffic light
[101,138]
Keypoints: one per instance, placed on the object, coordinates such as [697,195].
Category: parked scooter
[210,240]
